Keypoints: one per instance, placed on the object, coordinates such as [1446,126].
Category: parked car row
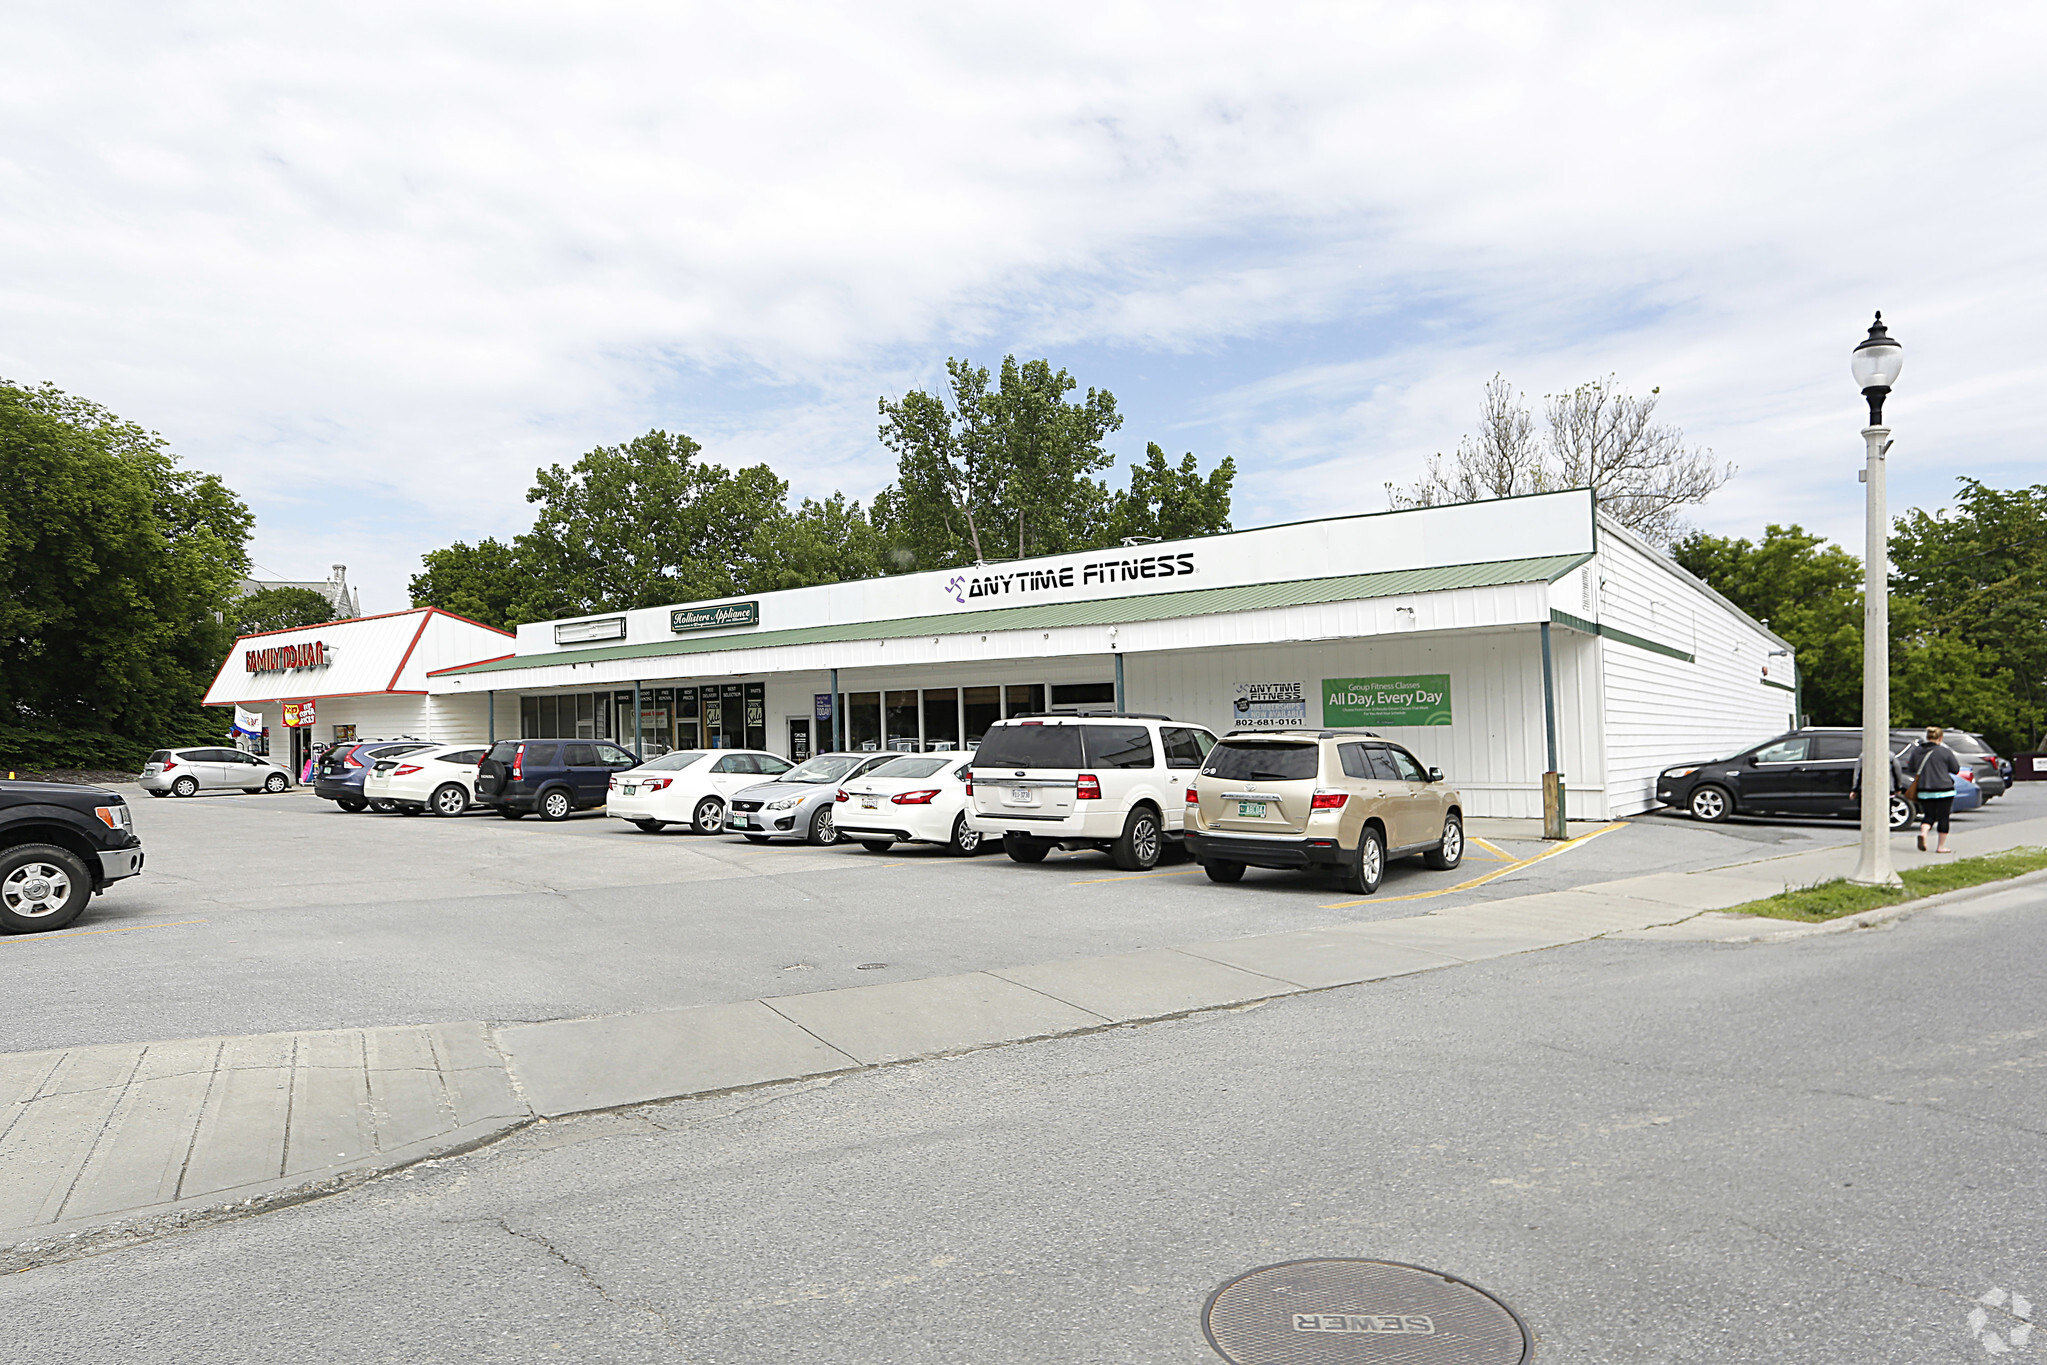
[1817,771]
[1137,787]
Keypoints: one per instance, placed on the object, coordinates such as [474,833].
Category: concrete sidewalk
[102,1144]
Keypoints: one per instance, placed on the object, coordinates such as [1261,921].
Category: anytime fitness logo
[1102,572]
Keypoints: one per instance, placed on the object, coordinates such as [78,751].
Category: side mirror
[1751,761]
[1435,774]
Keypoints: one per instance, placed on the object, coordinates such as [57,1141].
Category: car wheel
[1138,848]
[650,826]
[1901,813]
[1710,804]
[709,816]
[382,807]
[1022,848]
[275,783]
[507,813]
[1450,852]
[352,806]
[877,845]
[42,887]
[966,840]
[756,838]
[1225,872]
[824,826]
[450,799]
[556,805]
[186,786]
[1367,867]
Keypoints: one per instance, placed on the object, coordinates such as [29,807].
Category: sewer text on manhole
[1342,1312]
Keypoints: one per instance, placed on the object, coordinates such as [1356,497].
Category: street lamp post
[1876,363]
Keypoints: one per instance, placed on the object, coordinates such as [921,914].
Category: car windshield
[681,758]
[823,768]
[910,767]
[1262,762]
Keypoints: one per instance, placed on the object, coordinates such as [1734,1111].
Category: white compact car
[1112,781]
[917,799]
[692,787]
[441,779]
[185,772]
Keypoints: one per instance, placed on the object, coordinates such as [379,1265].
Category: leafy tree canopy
[280,609]
[482,582]
[1807,590]
[115,565]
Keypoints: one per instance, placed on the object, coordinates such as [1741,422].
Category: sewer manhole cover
[1339,1312]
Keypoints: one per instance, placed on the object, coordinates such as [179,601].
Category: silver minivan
[187,772]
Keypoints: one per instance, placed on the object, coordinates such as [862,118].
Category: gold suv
[1345,799]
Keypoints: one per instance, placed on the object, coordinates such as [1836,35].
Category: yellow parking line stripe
[1138,876]
[118,929]
[1504,856]
[1494,875]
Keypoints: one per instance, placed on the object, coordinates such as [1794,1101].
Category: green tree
[1809,591]
[983,473]
[640,524]
[269,609]
[116,566]
[1969,616]
[831,541]
[1171,502]
[482,582]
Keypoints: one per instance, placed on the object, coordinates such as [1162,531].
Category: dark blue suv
[550,777]
[338,776]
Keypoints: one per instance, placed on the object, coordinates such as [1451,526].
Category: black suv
[338,776]
[1806,772]
[550,776]
[59,846]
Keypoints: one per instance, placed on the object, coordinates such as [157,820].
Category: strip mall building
[1497,640]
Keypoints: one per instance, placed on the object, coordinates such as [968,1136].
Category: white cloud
[374,265]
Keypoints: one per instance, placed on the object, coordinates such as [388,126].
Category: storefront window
[1084,694]
[983,708]
[1025,699]
[941,719]
[863,720]
[902,722]
[586,715]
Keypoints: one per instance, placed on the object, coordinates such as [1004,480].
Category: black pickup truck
[59,846]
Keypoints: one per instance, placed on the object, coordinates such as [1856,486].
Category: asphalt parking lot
[268,913]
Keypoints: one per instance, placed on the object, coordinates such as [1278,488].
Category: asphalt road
[1816,1151]
[268,913]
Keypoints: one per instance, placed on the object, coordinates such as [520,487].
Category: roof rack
[1302,730]
[1087,715]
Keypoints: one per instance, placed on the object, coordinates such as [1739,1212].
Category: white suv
[1107,780]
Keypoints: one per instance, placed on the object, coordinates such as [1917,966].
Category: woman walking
[1933,767]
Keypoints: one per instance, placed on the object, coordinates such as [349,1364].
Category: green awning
[1108,611]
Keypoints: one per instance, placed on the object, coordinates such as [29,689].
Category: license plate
[1251,810]
[868,805]
[1022,796]
[739,822]
[630,789]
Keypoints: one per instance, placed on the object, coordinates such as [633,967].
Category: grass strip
[1833,899]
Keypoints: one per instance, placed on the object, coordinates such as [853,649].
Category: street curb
[1890,914]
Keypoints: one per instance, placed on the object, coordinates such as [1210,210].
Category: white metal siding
[460,720]
[1660,710]
[1493,752]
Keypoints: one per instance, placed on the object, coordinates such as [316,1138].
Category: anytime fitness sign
[279,658]
[1097,574]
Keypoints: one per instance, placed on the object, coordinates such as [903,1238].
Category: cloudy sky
[375,263]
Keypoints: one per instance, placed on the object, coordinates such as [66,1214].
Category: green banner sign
[684,619]
[1423,699]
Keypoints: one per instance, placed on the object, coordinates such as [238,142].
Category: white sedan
[441,779]
[918,799]
[690,787]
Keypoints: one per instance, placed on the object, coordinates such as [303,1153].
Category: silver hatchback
[801,803]
[187,772]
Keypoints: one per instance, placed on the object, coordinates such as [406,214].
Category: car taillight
[654,784]
[518,761]
[1193,796]
[405,770]
[168,764]
[840,797]
[970,786]
[351,760]
[1328,800]
[1088,788]
[913,798]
